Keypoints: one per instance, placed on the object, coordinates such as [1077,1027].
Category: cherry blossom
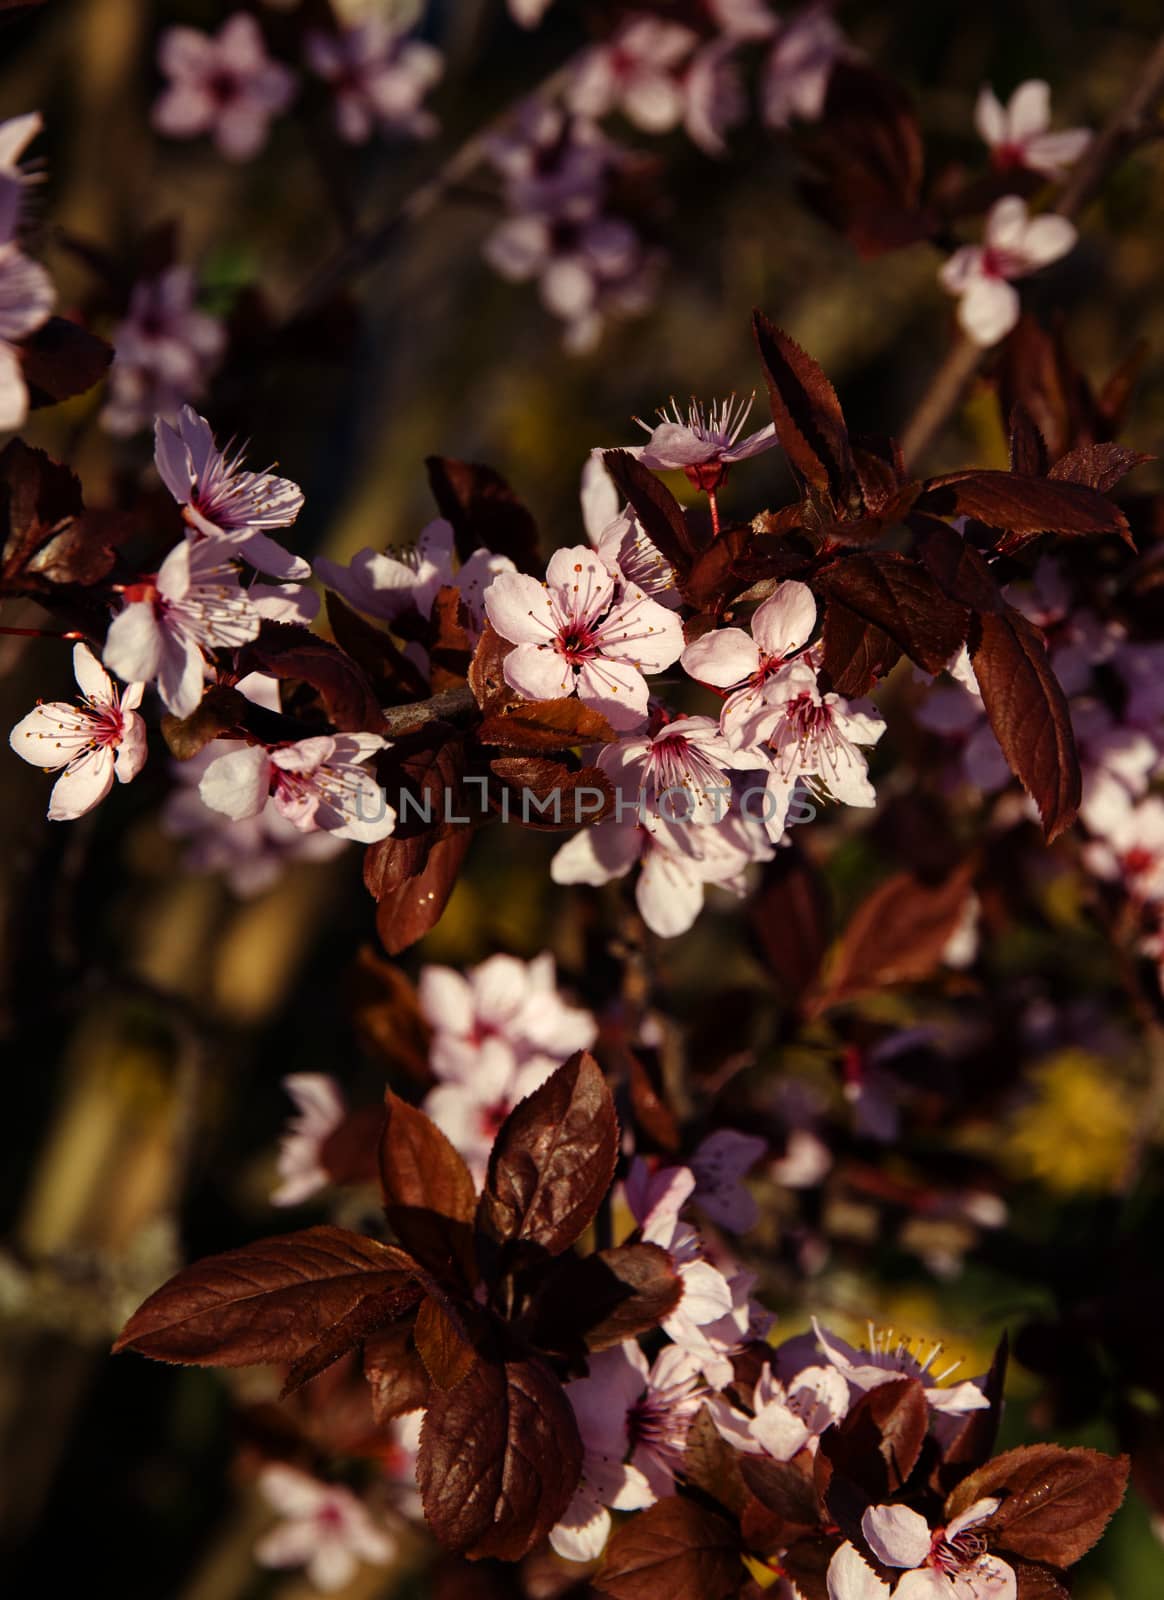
[1019,132]
[787,1417]
[320,782]
[1132,848]
[498,1033]
[578,632]
[222,500]
[635,72]
[528,13]
[720,1163]
[813,740]
[324,1528]
[379,78]
[164,352]
[888,1358]
[320,1110]
[194,604]
[224,85]
[620,539]
[26,299]
[626,1409]
[950,1563]
[705,443]
[554,166]
[796,75]
[1015,244]
[714,99]
[386,586]
[16,134]
[100,738]
[743,663]
[680,771]
[678,860]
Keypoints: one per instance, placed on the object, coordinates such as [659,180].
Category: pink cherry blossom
[813,740]
[578,632]
[714,99]
[16,134]
[888,1358]
[194,604]
[620,539]
[1019,133]
[222,500]
[1015,244]
[787,1417]
[498,1034]
[379,78]
[950,1563]
[320,1110]
[797,72]
[316,783]
[164,352]
[677,861]
[720,1164]
[26,299]
[1132,848]
[705,443]
[743,662]
[95,741]
[387,585]
[635,72]
[681,772]
[634,1420]
[223,84]
[324,1528]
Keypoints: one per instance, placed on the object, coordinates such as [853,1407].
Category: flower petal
[897,1535]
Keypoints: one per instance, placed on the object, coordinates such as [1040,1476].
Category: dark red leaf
[484,511]
[220,711]
[537,725]
[547,794]
[877,1446]
[675,1549]
[791,918]
[349,1332]
[1055,1502]
[1099,466]
[387,1016]
[783,1489]
[976,1435]
[807,1564]
[1028,713]
[1037,1582]
[40,500]
[430,1198]
[499,1459]
[740,558]
[596,1301]
[552,1161]
[61,360]
[486,671]
[809,422]
[269,1301]
[286,650]
[659,513]
[653,1115]
[854,653]
[1028,451]
[897,935]
[451,648]
[349,1153]
[396,1375]
[959,570]
[443,1343]
[1023,507]
[415,902]
[712,1465]
[387,667]
[898,595]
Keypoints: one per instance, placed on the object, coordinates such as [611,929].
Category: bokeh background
[147,1016]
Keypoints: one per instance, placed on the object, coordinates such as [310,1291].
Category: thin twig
[1123,131]
[441,708]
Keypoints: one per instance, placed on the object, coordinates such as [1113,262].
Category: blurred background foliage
[146,1017]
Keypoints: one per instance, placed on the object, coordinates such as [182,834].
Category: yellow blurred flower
[1073,1136]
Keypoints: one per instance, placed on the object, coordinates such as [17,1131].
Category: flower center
[576,643]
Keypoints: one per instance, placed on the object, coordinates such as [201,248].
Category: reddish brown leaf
[1055,1502]
[1024,506]
[854,653]
[877,1446]
[711,1464]
[451,648]
[443,1343]
[535,725]
[1099,466]
[594,1302]
[349,1332]
[552,1161]
[486,671]
[1028,451]
[349,1153]
[900,597]
[547,794]
[783,1489]
[39,500]
[269,1301]
[415,902]
[738,559]
[387,1016]
[809,422]
[897,935]
[220,711]
[286,650]
[959,570]
[651,1112]
[385,664]
[61,360]
[791,919]
[976,1435]
[659,513]
[499,1459]
[396,1375]
[429,1195]
[674,1549]
[484,511]
[1028,713]
[1037,1582]
[807,1564]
